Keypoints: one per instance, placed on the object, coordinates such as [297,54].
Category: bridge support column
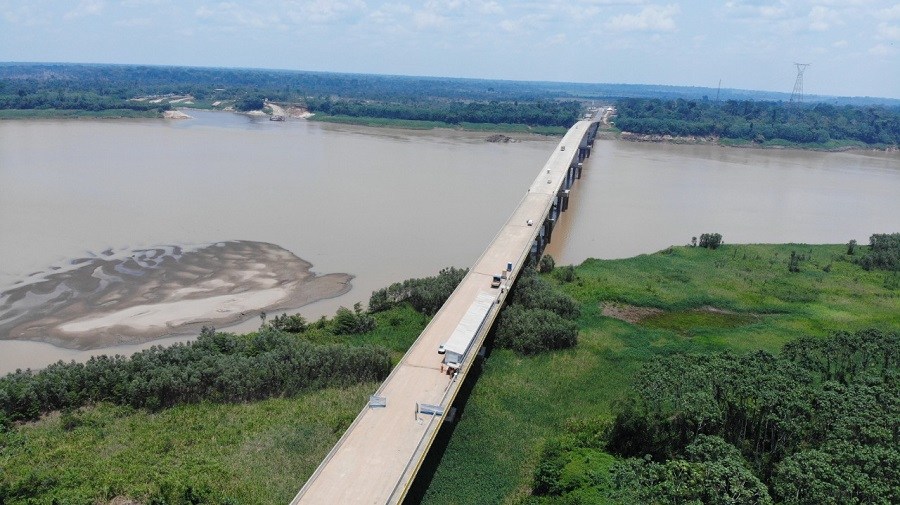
[565,200]
[578,168]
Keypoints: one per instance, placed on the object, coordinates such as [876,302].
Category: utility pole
[797,94]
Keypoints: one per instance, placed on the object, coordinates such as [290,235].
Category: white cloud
[556,40]
[890,13]
[321,11]
[882,50]
[85,8]
[755,11]
[490,8]
[228,14]
[509,25]
[651,18]
[425,20]
[839,44]
[823,18]
[888,32]
[133,22]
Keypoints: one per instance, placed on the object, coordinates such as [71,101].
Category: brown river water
[384,205]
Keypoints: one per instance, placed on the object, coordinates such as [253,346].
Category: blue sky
[853,46]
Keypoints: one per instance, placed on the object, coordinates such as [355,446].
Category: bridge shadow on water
[429,466]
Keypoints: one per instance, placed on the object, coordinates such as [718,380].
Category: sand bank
[152,293]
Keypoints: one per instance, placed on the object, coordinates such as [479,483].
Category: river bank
[834,147]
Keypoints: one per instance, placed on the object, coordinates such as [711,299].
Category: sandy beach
[115,299]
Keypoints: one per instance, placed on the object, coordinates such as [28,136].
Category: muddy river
[384,205]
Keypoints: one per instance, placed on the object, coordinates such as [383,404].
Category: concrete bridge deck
[377,458]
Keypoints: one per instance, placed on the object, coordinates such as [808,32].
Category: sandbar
[142,295]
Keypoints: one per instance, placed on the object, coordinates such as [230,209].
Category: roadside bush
[530,331]
[426,295]
[547,264]
[533,292]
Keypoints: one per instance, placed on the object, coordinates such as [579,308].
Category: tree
[547,264]
[347,322]
[710,240]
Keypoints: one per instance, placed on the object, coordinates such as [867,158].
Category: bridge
[377,458]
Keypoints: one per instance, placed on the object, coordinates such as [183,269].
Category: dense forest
[760,122]
[652,109]
[534,113]
[816,424]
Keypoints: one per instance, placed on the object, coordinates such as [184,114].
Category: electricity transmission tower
[797,94]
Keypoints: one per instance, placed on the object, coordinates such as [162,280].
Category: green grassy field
[262,452]
[518,403]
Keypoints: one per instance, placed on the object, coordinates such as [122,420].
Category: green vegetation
[816,424]
[112,113]
[356,321]
[248,452]
[883,253]
[537,426]
[425,295]
[413,124]
[710,240]
[536,113]
[766,123]
[245,453]
[217,367]
[249,103]
[737,298]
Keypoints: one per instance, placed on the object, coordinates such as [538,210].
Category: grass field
[518,402]
[262,452]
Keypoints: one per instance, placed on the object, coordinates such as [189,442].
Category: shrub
[294,323]
[565,274]
[217,367]
[350,322]
[547,264]
[530,331]
[426,295]
[533,292]
[710,240]
[883,253]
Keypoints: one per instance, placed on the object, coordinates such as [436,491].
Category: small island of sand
[131,298]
